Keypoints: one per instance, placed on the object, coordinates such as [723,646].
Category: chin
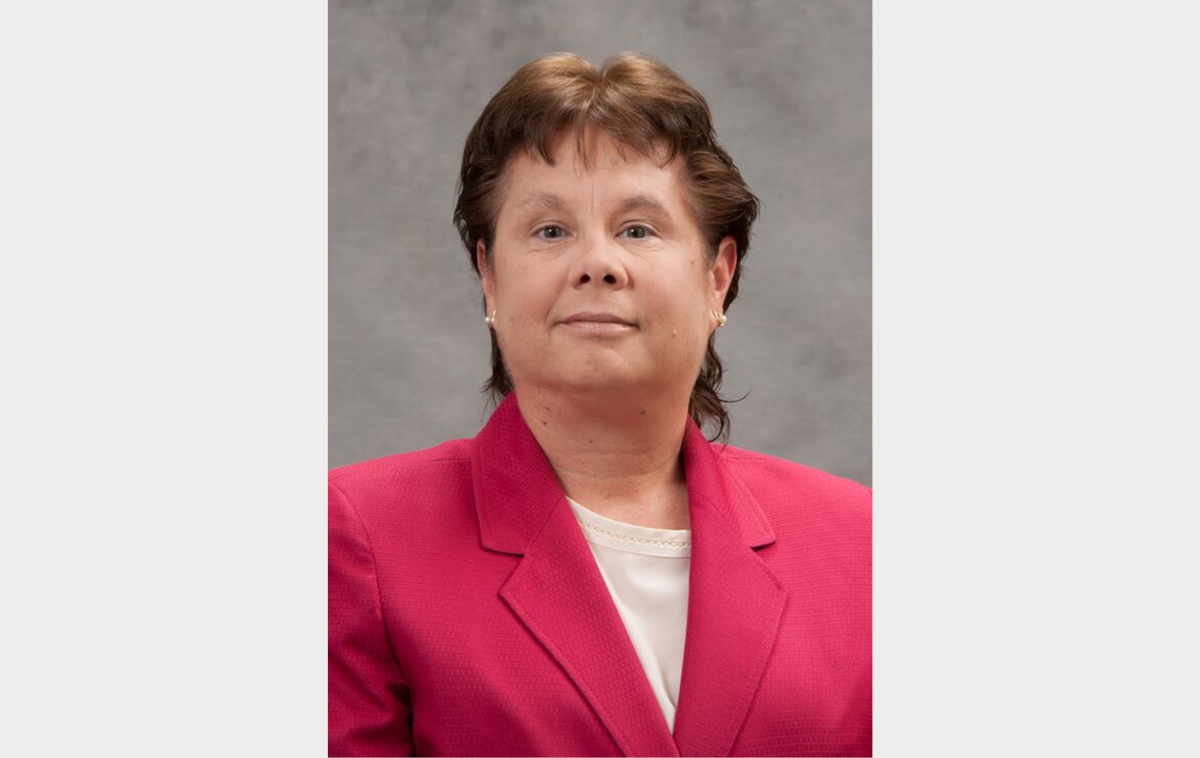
[578,377]
[600,381]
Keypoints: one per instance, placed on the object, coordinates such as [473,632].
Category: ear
[486,277]
[723,267]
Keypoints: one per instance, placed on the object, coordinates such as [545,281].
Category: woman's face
[599,277]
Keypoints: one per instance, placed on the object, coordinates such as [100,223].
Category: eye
[636,232]
[550,232]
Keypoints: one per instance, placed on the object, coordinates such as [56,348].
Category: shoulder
[759,468]
[380,471]
[789,491]
[396,483]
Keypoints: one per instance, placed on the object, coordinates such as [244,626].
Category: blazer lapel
[556,590]
[735,605]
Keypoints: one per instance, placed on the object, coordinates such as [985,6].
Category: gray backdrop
[789,84]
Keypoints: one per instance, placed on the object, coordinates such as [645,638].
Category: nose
[599,263]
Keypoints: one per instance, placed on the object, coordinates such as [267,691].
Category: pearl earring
[720,317]
[490,320]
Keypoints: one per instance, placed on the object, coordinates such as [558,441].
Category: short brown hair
[640,103]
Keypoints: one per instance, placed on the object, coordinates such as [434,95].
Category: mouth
[598,322]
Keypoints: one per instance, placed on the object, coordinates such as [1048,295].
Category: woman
[590,575]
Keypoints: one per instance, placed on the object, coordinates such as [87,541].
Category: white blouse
[646,571]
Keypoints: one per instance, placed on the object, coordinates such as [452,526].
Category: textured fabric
[646,572]
[467,615]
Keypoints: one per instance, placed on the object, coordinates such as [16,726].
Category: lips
[597,318]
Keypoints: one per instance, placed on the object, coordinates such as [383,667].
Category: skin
[606,401]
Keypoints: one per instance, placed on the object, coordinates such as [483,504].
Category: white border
[1035,327]
[164,290]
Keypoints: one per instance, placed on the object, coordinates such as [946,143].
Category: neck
[622,460]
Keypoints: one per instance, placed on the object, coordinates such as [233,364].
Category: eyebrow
[645,203]
[551,201]
[547,200]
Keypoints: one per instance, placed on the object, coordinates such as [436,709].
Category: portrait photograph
[600,378]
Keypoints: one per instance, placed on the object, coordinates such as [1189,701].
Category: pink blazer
[467,615]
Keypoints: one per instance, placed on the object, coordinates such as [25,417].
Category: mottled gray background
[789,83]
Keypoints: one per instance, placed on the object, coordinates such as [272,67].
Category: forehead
[604,171]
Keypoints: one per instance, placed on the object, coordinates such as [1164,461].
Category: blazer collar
[515,487]
[734,604]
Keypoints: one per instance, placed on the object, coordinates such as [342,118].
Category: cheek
[525,294]
[512,282]
[686,315]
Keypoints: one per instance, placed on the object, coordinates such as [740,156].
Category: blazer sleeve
[369,707]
